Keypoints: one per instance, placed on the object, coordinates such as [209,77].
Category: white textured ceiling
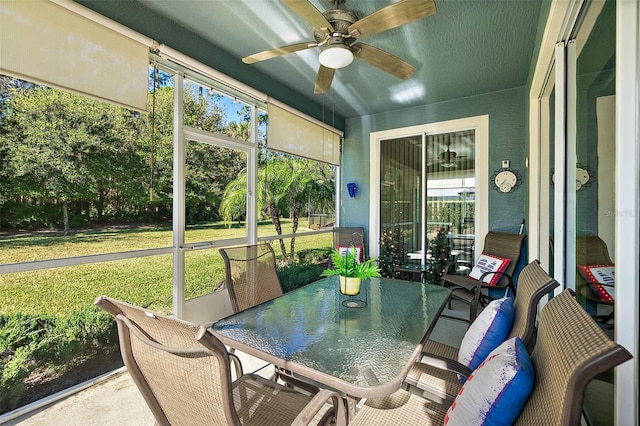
[466,48]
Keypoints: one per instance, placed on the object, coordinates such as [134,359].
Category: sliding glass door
[591,200]
[427,185]
[401,195]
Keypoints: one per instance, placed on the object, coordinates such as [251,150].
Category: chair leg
[473,309]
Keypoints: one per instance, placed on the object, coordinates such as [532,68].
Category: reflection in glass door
[451,192]
[401,180]
[591,199]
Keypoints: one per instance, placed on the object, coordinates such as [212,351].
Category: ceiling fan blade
[279,51]
[392,16]
[323,82]
[310,14]
[383,60]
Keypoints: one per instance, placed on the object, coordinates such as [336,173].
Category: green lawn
[48,324]
[145,281]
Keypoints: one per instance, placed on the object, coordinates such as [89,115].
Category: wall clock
[506,180]
[584,177]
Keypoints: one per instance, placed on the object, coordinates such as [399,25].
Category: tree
[234,199]
[156,151]
[209,169]
[274,181]
[286,184]
[63,147]
[440,251]
[313,184]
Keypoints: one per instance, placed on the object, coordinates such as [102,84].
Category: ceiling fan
[446,159]
[337,31]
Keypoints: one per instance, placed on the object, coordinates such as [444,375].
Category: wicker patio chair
[467,289]
[533,284]
[251,279]
[571,349]
[347,236]
[343,236]
[185,377]
[251,275]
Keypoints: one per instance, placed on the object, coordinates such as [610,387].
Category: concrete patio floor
[112,401]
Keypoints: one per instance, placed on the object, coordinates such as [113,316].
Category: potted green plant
[351,271]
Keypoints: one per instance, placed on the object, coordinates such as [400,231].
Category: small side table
[412,271]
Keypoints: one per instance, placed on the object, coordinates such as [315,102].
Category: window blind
[47,44]
[293,134]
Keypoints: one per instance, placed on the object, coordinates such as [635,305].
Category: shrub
[314,255]
[14,369]
[296,275]
[28,342]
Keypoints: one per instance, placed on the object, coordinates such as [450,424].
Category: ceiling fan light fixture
[336,57]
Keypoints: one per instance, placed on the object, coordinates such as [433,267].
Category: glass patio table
[363,352]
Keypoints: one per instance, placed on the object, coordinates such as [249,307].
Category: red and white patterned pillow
[601,279]
[489,263]
[359,251]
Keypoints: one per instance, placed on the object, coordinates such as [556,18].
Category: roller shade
[293,134]
[47,44]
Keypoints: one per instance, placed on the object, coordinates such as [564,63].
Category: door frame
[480,124]
[560,22]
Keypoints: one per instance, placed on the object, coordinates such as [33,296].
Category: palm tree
[286,184]
[313,185]
[274,181]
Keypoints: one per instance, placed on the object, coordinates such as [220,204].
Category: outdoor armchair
[570,350]
[534,283]
[251,276]
[184,375]
[344,236]
[251,279]
[496,244]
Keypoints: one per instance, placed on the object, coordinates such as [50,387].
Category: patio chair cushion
[601,280]
[497,390]
[359,251]
[489,263]
[488,331]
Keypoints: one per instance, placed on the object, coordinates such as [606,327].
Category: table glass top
[361,346]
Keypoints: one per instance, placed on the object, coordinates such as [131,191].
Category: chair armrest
[606,285]
[484,274]
[470,284]
[509,280]
[444,363]
[317,403]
